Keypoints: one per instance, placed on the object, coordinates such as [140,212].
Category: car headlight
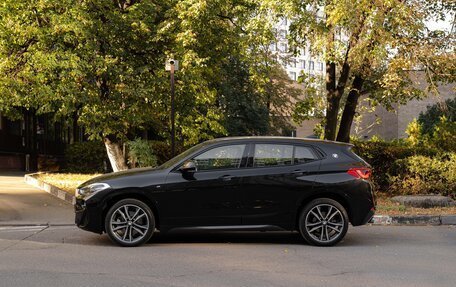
[91,189]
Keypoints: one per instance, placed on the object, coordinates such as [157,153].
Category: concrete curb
[414,220]
[55,191]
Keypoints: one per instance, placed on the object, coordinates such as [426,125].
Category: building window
[303,64]
[311,65]
[283,34]
[320,66]
[283,47]
[293,76]
[273,47]
[293,63]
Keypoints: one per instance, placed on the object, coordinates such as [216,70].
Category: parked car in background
[315,187]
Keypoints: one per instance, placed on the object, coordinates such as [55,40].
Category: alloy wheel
[129,223]
[324,223]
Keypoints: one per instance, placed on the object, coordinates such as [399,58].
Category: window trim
[251,155]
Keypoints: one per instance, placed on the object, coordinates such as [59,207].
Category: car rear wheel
[323,222]
[130,222]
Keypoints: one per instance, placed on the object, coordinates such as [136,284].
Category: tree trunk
[115,153]
[350,110]
[332,99]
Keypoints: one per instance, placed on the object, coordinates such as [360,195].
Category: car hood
[137,177]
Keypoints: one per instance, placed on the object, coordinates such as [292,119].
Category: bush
[423,163]
[141,154]
[401,168]
[383,155]
[433,114]
[425,175]
[444,135]
[86,157]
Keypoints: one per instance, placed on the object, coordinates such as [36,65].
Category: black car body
[253,183]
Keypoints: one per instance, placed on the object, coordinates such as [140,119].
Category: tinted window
[272,155]
[303,155]
[220,157]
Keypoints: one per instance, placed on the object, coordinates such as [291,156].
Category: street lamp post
[172,65]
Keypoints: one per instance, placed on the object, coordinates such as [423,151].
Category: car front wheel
[323,222]
[130,222]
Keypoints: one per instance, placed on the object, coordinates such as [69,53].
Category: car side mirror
[188,167]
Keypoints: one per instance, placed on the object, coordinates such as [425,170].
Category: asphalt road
[369,256]
[56,253]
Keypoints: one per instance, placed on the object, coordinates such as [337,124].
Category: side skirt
[228,228]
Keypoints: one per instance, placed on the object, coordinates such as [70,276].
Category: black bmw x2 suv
[315,187]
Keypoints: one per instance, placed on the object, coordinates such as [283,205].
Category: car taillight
[360,172]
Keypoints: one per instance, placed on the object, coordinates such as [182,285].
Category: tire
[323,222]
[130,222]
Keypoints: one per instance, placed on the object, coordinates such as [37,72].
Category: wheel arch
[331,195]
[133,194]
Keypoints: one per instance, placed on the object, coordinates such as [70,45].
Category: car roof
[278,139]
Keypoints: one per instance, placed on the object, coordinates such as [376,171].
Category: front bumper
[88,216]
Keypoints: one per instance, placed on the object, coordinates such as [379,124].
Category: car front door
[278,176]
[210,196]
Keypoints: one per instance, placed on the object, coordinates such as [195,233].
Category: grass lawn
[385,206]
[65,181]
[69,182]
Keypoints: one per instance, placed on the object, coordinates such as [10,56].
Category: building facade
[295,65]
[33,141]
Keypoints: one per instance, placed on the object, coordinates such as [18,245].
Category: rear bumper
[369,217]
[362,204]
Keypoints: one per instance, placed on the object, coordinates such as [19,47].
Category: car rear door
[277,177]
[210,196]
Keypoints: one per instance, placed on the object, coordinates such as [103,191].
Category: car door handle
[226,177]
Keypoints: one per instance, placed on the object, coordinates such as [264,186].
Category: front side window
[220,158]
[272,155]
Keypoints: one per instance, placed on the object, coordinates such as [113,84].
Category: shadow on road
[227,237]
[366,236]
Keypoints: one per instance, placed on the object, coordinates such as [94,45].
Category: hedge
[86,157]
[399,168]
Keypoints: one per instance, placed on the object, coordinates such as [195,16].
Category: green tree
[104,60]
[370,47]
[242,105]
[102,63]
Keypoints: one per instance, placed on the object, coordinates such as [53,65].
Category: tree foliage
[431,117]
[104,61]
[370,47]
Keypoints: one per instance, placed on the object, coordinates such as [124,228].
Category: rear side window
[272,155]
[220,158]
[303,155]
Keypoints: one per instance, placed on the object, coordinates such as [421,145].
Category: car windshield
[175,160]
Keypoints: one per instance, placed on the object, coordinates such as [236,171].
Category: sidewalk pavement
[22,204]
